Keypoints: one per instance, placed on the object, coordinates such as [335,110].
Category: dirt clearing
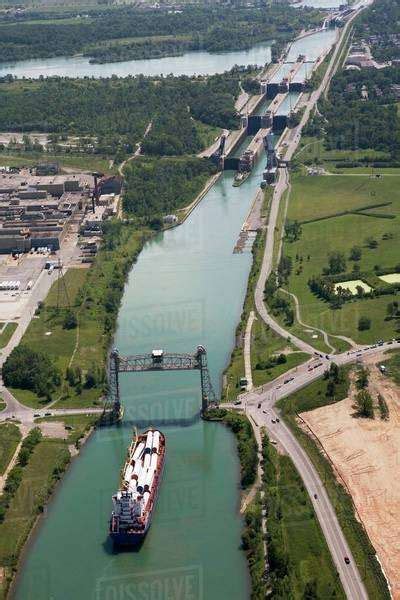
[53,429]
[366,455]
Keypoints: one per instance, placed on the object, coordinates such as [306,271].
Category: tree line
[213,28]
[115,112]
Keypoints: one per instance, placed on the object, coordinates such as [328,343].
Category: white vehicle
[29,285]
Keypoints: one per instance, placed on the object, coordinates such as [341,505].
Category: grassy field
[207,133]
[393,366]
[294,535]
[10,437]
[265,344]
[313,396]
[235,369]
[80,424]
[86,345]
[6,333]
[315,197]
[37,482]
[81,162]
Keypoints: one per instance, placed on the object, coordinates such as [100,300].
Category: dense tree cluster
[381,21]
[247,446]
[129,33]
[29,370]
[172,134]
[354,122]
[161,186]
[362,111]
[115,112]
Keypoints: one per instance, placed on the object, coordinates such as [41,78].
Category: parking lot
[25,269]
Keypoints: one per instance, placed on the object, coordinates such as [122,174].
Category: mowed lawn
[10,437]
[265,345]
[29,500]
[47,334]
[7,331]
[313,197]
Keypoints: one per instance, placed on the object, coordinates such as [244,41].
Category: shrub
[364,323]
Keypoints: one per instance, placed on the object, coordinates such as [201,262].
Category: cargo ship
[134,503]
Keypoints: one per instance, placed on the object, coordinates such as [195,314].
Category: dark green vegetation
[300,562]
[314,396]
[381,21]
[128,33]
[383,408]
[247,446]
[116,112]
[361,111]
[79,353]
[9,438]
[31,370]
[41,463]
[354,123]
[253,546]
[181,180]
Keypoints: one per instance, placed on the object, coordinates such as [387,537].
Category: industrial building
[35,211]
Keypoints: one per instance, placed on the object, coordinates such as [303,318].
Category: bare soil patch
[366,455]
[53,429]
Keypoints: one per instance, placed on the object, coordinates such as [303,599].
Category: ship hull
[129,536]
[123,538]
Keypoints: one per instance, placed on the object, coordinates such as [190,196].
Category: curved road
[260,403]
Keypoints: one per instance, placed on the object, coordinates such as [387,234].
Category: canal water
[186,288]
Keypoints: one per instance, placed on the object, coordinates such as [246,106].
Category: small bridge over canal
[158,360]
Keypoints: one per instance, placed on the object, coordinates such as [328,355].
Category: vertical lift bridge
[158,360]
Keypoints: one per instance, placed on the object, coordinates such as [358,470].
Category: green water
[186,288]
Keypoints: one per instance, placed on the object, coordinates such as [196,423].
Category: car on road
[273,421]
[259,405]
[237,402]
[37,415]
[265,412]
[347,560]
[47,414]
[277,420]
[315,496]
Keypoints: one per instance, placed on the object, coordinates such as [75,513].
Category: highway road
[260,404]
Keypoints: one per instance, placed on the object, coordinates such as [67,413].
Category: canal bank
[186,288]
